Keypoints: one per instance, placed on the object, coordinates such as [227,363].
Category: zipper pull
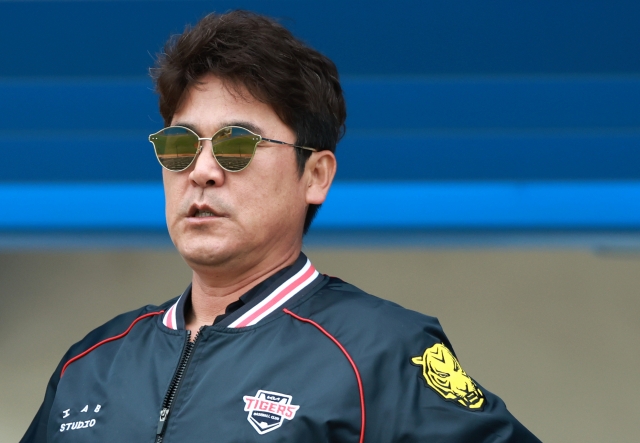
[164,413]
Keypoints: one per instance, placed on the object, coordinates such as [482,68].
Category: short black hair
[256,52]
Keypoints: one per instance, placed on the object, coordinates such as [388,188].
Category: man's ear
[318,175]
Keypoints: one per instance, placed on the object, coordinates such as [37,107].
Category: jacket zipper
[175,384]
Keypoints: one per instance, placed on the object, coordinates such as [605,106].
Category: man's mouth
[203,211]
[204,214]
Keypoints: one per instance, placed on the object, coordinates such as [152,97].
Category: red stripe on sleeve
[107,340]
[353,365]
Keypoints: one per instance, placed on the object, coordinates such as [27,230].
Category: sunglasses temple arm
[289,144]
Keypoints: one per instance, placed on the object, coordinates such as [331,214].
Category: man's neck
[211,292]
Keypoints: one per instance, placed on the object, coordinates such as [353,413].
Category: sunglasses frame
[260,139]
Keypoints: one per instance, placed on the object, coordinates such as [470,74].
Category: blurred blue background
[464,118]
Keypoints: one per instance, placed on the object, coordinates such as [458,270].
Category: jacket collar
[260,301]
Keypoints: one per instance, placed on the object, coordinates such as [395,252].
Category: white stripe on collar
[273,301]
[277,298]
[169,319]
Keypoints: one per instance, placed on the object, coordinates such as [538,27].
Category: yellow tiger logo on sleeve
[443,374]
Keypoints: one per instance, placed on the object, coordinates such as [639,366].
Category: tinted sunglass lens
[175,147]
[234,148]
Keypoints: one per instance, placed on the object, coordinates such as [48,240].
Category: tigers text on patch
[268,410]
[443,374]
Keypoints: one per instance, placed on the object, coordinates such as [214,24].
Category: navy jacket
[308,359]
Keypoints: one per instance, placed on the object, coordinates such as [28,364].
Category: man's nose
[206,170]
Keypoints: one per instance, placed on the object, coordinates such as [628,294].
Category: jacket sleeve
[422,394]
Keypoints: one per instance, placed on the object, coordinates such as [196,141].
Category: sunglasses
[233,147]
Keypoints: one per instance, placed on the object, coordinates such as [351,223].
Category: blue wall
[364,37]
[447,96]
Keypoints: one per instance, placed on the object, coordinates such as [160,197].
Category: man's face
[217,217]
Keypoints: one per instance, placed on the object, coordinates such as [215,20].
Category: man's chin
[198,254]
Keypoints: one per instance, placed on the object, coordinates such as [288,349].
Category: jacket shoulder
[37,431]
[351,311]
[115,327]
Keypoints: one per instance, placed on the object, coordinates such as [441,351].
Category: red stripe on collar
[301,279]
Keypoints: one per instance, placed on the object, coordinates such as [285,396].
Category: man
[260,346]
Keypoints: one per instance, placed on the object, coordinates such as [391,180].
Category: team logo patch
[268,410]
[443,374]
